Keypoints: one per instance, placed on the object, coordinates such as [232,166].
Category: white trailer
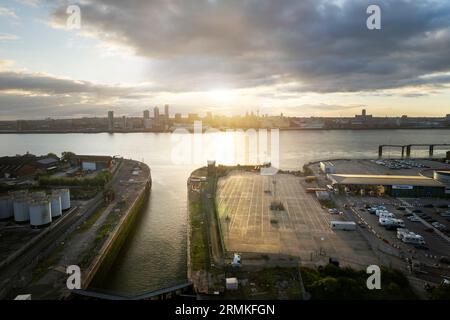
[343,225]
[413,239]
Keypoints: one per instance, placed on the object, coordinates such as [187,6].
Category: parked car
[413,219]
[417,211]
[429,205]
[438,225]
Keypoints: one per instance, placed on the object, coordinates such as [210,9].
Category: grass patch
[199,253]
[331,282]
[266,284]
[42,267]
[90,221]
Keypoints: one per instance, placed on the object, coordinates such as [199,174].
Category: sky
[297,57]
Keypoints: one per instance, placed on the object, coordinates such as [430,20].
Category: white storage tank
[56,206]
[40,213]
[6,207]
[21,213]
[65,199]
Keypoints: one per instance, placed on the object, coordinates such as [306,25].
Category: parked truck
[343,225]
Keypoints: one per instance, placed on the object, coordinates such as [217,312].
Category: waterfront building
[110,120]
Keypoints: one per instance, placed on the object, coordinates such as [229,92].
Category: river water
[154,255]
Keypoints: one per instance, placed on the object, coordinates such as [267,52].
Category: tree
[67,156]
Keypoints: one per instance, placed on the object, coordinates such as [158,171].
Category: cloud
[6,12]
[8,37]
[37,94]
[322,46]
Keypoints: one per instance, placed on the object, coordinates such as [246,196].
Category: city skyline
[309,58]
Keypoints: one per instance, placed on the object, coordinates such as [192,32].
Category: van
[414,239]
[387,215]
[379,212]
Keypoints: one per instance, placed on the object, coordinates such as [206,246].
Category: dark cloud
[323,45]
[39,95]
[42,83]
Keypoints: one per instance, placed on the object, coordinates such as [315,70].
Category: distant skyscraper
[156,113]
[110,120]
[364,112]
[166,111]
[146,114]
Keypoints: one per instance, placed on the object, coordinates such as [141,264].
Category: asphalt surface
[301,230]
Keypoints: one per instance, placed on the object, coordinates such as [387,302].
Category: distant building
[211,168]
[92,163]
[156,113]
[395,186]
[327,167]
[146,114]
[166,111]
[178,117]
[363,116]
[46,163]
[110,120]
[193,117]
[148,123]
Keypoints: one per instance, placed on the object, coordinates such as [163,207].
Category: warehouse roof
[83,157]
[358,179]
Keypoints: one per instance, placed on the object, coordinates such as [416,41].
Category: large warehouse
[396,186]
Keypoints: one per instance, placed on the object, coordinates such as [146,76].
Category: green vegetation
[99,180]
[84,193]
[199,252]
[307,171]
[440,292]
[90,221]
[331,282]
[267,283]
[51,260]
[328,203]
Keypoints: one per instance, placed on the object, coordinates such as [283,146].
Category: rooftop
[92,158]
[358,179]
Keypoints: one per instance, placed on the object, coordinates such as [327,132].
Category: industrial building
[37,208]
[92,163]
[327,167]
[396,186]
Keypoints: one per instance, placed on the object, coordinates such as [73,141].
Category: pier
[408,148]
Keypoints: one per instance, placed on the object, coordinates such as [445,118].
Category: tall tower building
[146,114]
[156,113]
[110,120]
[166,111]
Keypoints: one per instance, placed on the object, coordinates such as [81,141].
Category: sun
[222,96]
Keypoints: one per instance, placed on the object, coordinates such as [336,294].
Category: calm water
[155,254]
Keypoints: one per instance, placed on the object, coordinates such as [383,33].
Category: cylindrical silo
[6,207]
[56,205]
[20,205]
[65,199]
[40,213]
